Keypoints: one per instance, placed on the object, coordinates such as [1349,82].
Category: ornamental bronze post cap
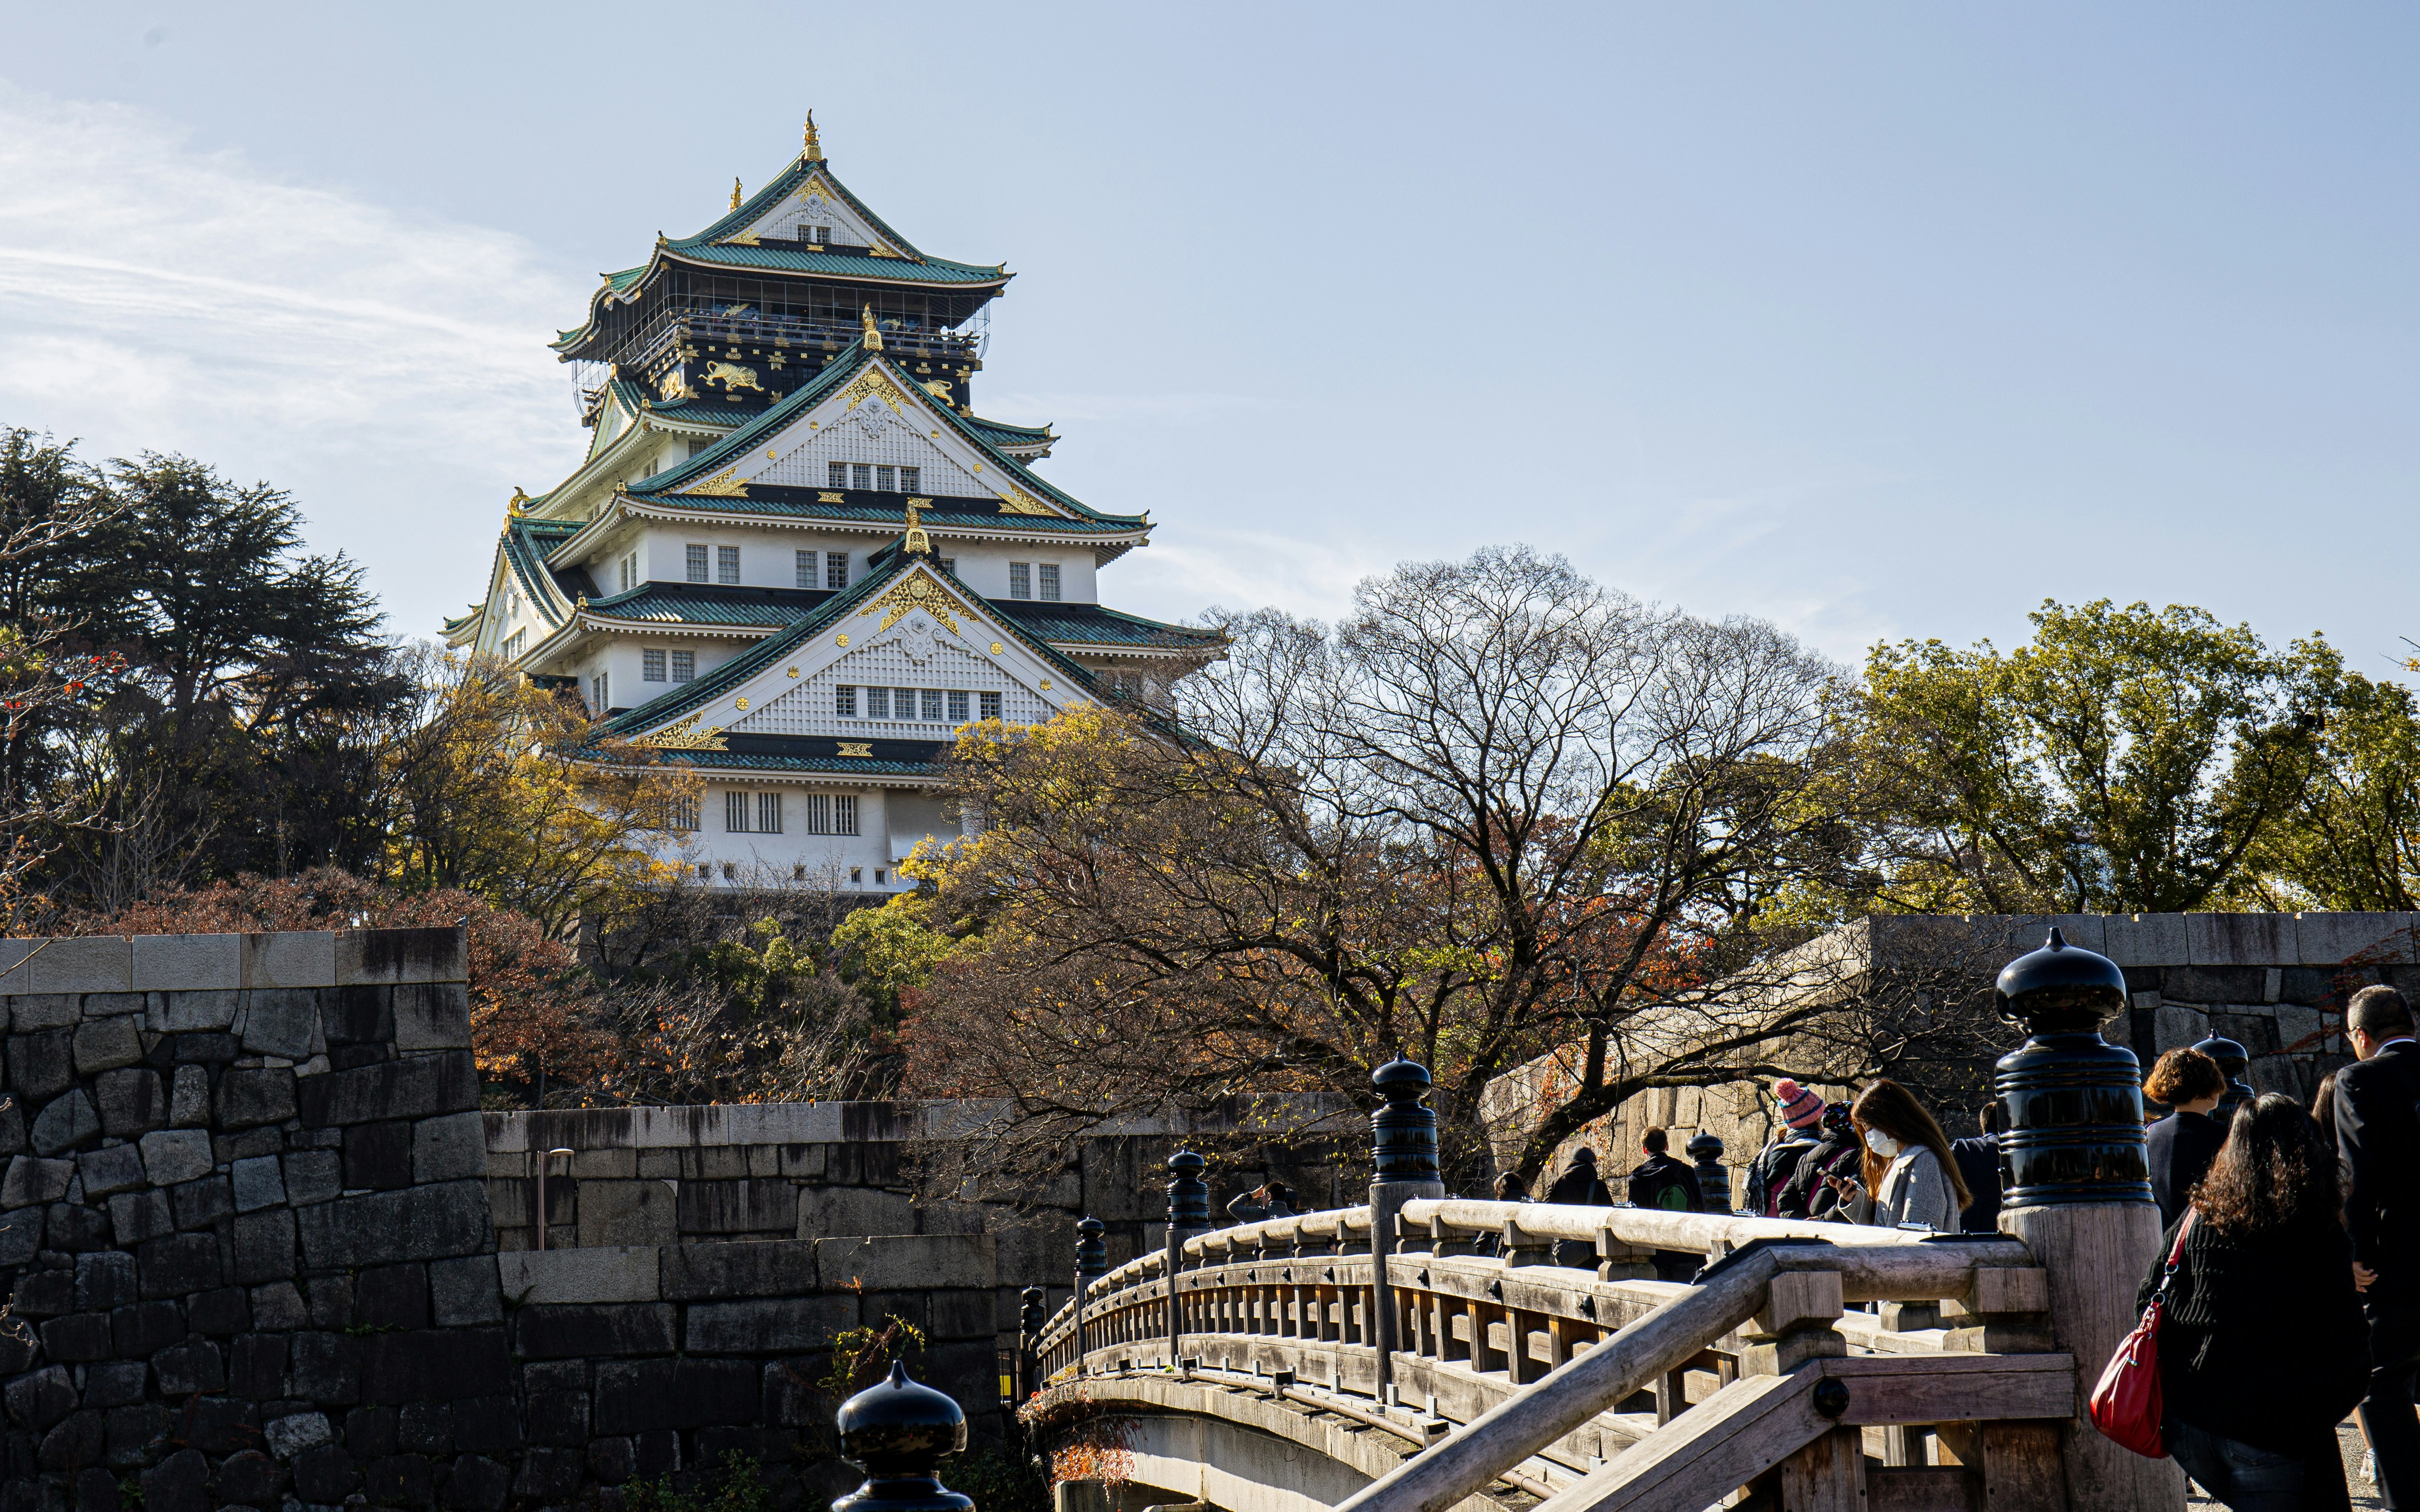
[1401,1080]
[2061,988]
[1705,1145]
[2232,1058]
[900,1426]
[1186,1163]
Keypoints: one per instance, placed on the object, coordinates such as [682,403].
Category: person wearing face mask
[1908,1174]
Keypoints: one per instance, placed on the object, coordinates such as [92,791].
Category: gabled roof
[671,704]
[668,486]
[655,602]
[1091,624]
[526,542]
[715,247]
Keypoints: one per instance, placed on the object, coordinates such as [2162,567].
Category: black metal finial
[1189,1196]
[1092,1249]
[1403,1133]
[1028,1313]
[897,1431]
[2233,1062]
[2071,1102]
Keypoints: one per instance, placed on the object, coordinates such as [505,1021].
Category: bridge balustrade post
[1030,1321]
[2076,1189]
[897,1431]
[1189,1213]
[1091,1263]
[1404,1167]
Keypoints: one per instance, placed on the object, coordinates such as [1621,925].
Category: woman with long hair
[1909,1176]
[2181,1146]
[2263,1349]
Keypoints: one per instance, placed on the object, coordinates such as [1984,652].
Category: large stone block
[135,1216]
[434,1015]
[32,1179]
[415,1087]
[596,1331]
[436,1365]
[189,1103]
[907,1263]
[358,1015]
[2178,1025]
[424,1222]
[178,1265]
[313,1176]
[41,1066]
[449,1147]
[186,962]
[41,1398]
[378,1156]
[256,1095]
[257,1183]
[770,1325]
[625,1212]
[203,1011]
[84,963]
[264,1246]
[20,1236]
[131,1102]
[464,1291]
[532,1277]
[743,1206]
[402,955]
[2332,940]
[772,1268]
[290,958]
[840,1211]
[174,1155]
[74,1229]
[45,1010]
[326,1368]
[2145,939]
[2242,939]
[281,1020]
[802,1161]
[2307,1030]
[64,1124]
[201,1204]
[392,1296]
[654,1396]
[119,1168]
[105,1044]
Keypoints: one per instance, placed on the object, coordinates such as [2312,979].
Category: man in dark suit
[2377,1131]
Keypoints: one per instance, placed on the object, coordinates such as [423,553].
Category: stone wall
[812,1172]
[246,1244]
[2275,982]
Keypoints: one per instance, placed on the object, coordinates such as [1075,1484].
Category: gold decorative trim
[996,648]
[685,735]
[857,748]
[741,704]
[1015,500]
[874,383]
[722,485]
[915,592]
[841,641]
[825,495]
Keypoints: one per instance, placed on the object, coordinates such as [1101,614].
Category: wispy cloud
[387,367]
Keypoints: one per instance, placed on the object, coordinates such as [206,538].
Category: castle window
[837,474]
[932,706]
[990,704]
[1020,580]
[735,813]
[651,665]
[957,706]
[835,569]
[730,873]
[902,702]
[681,813]
[727,565]
[769,814]
[596,689]
[857,874]
[513,644]
[882,477]
[860,475]
[908,477]
[697,563]
[845,702]
[877,704]
[684,665]
[697,445]
[833,814]
[1049,581]
[845,814]
[628,574]
[806,569]
[816,234]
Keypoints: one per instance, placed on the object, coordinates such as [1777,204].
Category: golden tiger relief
[733,376]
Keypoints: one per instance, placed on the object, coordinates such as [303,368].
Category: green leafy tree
[2127,760]
[2353,842]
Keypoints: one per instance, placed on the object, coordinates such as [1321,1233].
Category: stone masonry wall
[828,1171]
[249,1260]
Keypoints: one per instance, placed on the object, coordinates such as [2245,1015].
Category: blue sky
[1877,321]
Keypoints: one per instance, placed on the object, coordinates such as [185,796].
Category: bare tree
[1500,811]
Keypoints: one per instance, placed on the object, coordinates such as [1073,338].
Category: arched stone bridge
[1811,1365]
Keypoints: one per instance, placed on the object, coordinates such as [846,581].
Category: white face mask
[1881,1144]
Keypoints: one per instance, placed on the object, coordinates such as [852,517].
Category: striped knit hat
[1800,1108]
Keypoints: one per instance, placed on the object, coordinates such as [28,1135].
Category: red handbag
[2126,1405]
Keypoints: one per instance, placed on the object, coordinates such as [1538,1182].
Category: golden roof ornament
[873,333]
[814,152]
[519,503]
[735,193]
[917,543]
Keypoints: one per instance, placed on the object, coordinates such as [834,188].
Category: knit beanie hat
[1801,1107]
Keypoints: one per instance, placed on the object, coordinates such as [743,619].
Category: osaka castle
[795,557]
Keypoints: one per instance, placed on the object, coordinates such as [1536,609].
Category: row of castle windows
[760,813]
[874,476]
[1026,579]
[916,705]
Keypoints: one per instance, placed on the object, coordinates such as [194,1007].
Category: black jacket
[2377,1135]
[1660,1175]
[2262,1339]
[2181,1148]
[1979,1166]
[1580,1187]
[1773,1167]
[1807,1196]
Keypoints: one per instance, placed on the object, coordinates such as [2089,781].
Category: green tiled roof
[707,247]
[1000,432]
[940,517]
[1091,624]
[748,761]
[670,705]
[527,541]
[708,604]
[844,366]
